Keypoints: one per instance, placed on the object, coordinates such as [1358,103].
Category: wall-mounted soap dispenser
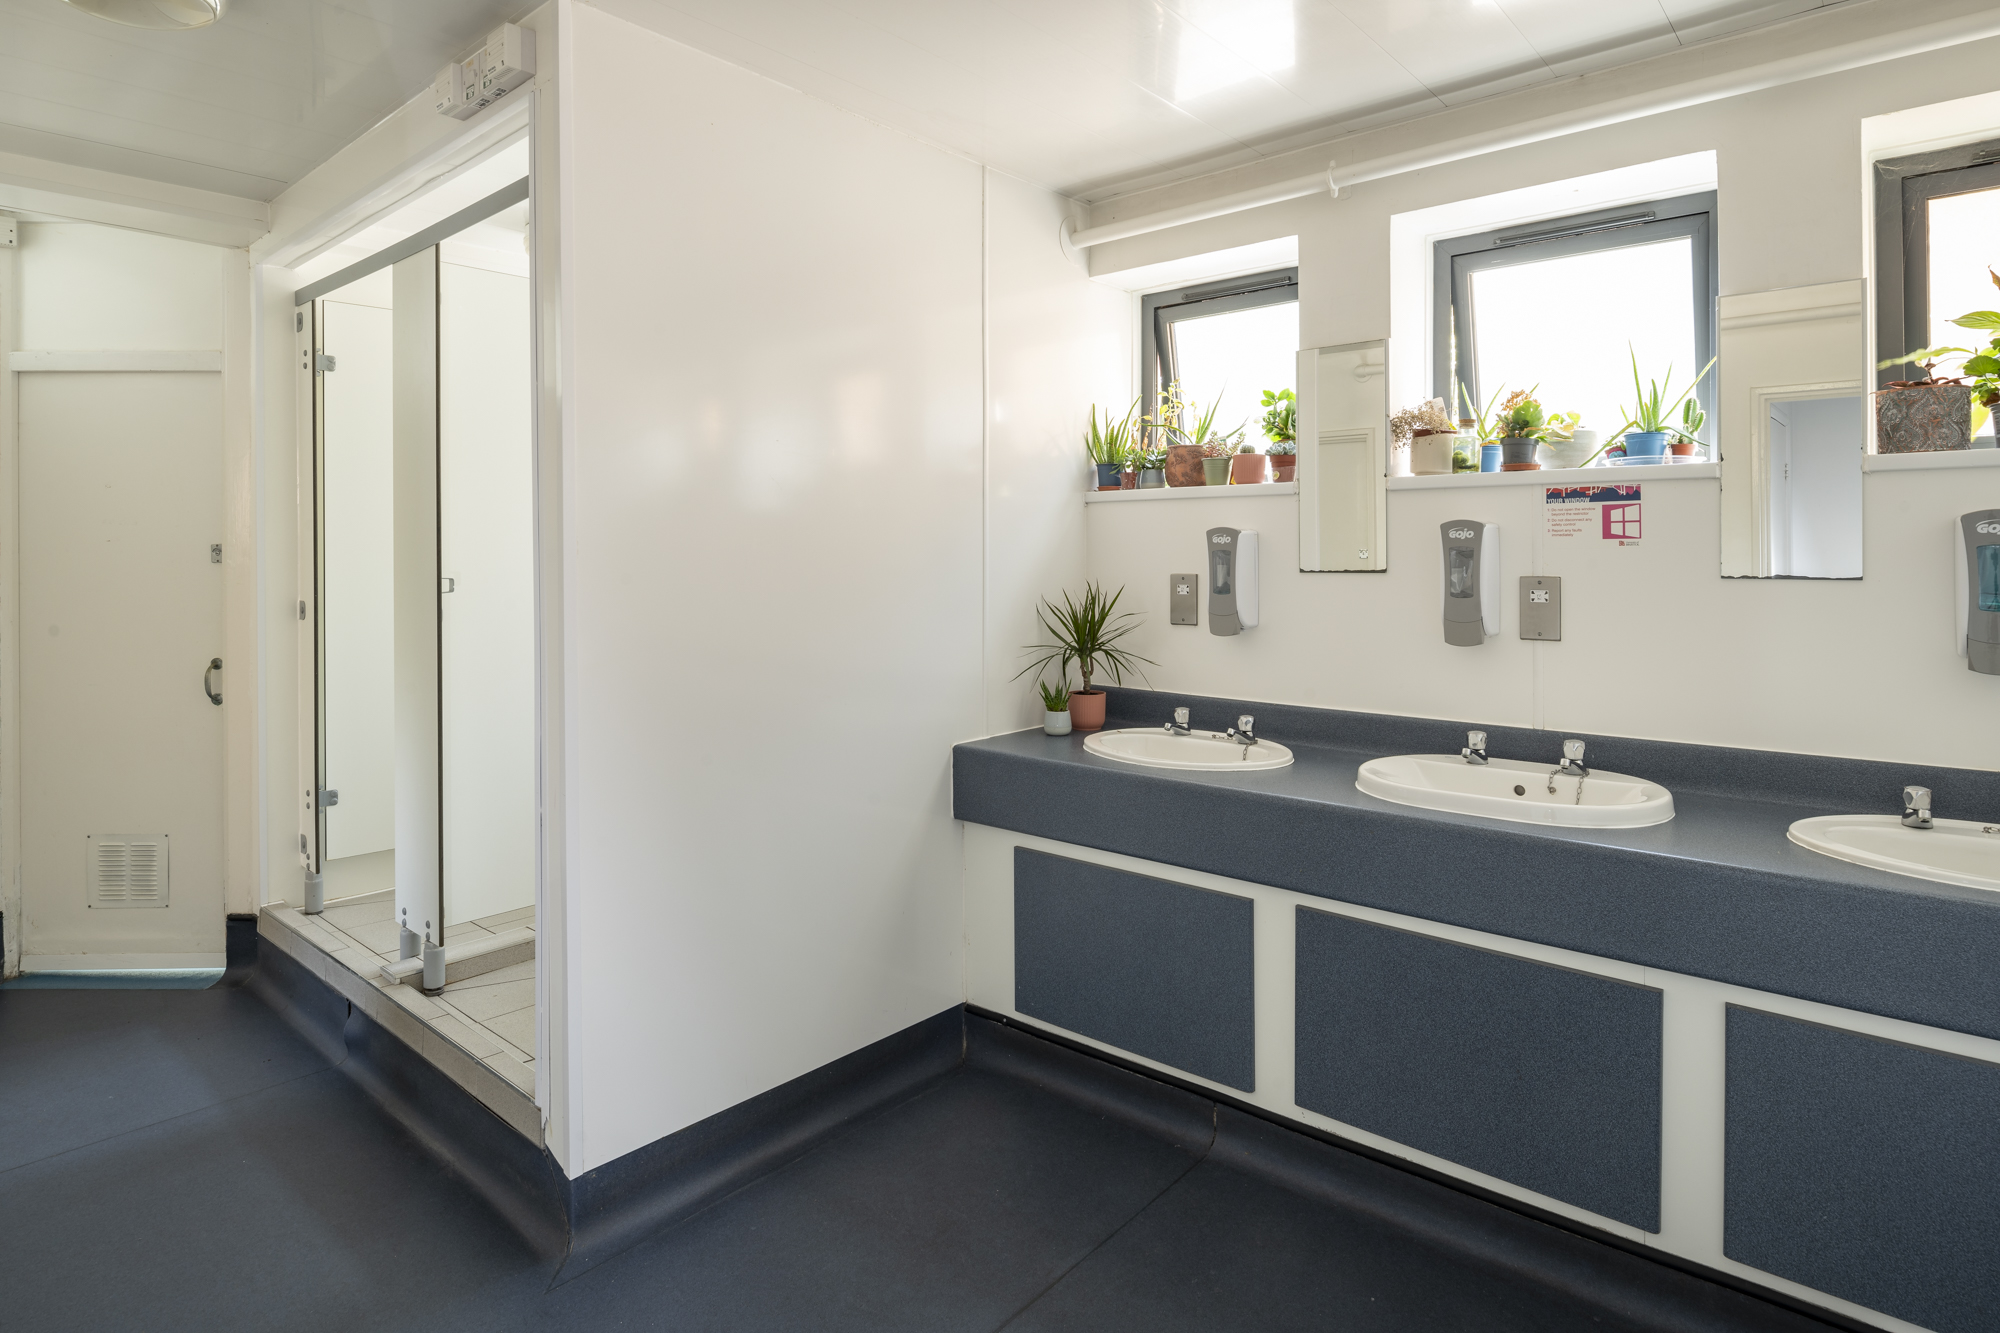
[1471,582]
[1232,580]
[1979,590]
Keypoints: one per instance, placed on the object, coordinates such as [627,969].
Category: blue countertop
[1718,892]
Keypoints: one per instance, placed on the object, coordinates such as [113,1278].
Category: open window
[1936,215]
[1566,305]
[1226,341]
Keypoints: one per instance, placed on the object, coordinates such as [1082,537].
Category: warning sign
[1594,513]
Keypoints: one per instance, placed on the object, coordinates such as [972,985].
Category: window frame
[1159,311]
[1456,258]
[1904,187]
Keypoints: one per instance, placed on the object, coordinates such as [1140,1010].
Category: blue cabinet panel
[1160,969]
[1541,1076]
[1865,1168]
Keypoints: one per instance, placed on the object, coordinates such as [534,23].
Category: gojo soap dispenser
[1471,582]
[1232,580]
[1979,590]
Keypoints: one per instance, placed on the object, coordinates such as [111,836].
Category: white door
[358,665]
[121,614]
[486,542]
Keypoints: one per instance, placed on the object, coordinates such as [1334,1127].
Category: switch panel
[1541,608]
[1184,599]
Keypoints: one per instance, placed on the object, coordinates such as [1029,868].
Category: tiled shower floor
[491,1017]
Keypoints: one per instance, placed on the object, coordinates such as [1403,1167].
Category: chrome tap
[1475,747]
[1916,807]
[1242,734]
[1572,765]
[1179,726]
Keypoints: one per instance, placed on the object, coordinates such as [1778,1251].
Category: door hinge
[215,553]
[328,798]
[447,585]
[325,362]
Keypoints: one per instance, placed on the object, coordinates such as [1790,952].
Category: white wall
[779,511]
[1655,643]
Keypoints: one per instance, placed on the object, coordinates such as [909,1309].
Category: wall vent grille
[123,870]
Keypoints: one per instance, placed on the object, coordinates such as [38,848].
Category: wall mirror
[1343,434]
[1794,432]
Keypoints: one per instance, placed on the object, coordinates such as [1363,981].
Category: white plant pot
[1430,455]
[1056,724]
[1573,451]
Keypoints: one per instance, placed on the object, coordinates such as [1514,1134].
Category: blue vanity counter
[1719,892]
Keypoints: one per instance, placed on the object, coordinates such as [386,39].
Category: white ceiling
[244,107]
[1083,96]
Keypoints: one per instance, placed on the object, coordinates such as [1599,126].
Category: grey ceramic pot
[1518,449]
[1151,478]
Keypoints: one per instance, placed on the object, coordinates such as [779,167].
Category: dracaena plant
[1086,632]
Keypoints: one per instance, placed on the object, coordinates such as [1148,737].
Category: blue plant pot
[1489,458]
[1107,475]
[1646,443]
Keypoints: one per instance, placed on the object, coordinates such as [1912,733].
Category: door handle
[207,686]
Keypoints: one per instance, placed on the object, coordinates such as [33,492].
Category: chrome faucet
[1179,726]
[1572,764]
[1916,807]
[1242,734]
[1475,747]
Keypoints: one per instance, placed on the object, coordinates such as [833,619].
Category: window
[1564,306]
[1226,341]
[1937,230]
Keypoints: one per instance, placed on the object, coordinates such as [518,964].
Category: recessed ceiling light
[171,14]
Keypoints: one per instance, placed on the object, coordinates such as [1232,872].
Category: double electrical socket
[471,85]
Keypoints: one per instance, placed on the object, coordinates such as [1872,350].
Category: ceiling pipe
[1715,88]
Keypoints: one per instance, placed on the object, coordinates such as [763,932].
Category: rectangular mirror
[1794,431]
[1343,435]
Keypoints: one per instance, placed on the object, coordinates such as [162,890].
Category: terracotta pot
[1250,469]
[1284,467]
[1215,471]
[1128,481]
[1184,465]
[1086,709]
[1684,448]
[1923,420]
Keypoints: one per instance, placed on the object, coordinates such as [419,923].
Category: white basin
[1509,789]
[1208,751]
[1951,851]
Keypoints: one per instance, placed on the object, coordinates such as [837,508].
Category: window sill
[1257,491]
[1559,476]
[1943,458]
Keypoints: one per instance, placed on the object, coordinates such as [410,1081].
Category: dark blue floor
[182,1160]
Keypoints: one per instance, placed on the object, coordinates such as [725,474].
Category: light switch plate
[1184,599]
[1541,608]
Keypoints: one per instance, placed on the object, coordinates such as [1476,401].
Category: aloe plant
[1086,632]
[1654,411]
[1055,698]
[1106,441]
[1482,425]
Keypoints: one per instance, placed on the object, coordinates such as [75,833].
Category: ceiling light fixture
[166,14]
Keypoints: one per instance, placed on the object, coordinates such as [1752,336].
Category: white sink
[1951,851]
[1208,751]
[1509,789]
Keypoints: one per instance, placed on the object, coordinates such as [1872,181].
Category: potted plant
[1522,424]
[1281,428]
[1936,412]
[1152,467]
[1106,442]
[1248,467]
[1429,433]
[1086,632]
[1128,466]
[1650,425]
[1055,707]
[1687,435]
[1163,432]
[1284,460]
[1484,446]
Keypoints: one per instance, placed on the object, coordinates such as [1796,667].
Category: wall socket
[1184,599]
[1541,608]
